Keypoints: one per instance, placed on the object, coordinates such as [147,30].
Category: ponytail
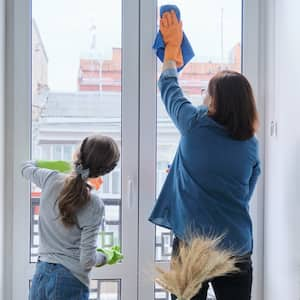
[74,195]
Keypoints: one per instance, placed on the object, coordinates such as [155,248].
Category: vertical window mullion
[147,144]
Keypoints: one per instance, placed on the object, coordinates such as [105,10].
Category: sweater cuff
[101,259]
[169,73]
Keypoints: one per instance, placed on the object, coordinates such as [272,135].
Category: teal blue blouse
[212,177]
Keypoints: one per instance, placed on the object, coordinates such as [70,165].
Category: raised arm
[181,111]
[38,176]
[179,108]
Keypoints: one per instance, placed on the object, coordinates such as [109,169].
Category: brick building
[97,75]
[39,71]
[105,75]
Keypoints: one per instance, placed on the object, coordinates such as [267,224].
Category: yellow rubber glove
[171,30]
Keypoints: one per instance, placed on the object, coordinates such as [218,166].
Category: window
[93,70]
[77,68]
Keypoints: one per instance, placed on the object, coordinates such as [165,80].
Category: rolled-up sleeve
[179,108]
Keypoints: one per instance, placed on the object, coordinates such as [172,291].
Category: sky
[64,28]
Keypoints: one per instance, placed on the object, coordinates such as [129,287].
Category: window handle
[130,192]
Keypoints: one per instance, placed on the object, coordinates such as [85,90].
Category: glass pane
[34,237]
[105,290]
[76,91]
[214,30]
[57,152]
[67,152]
[163,245]
[111,229]
[116,187]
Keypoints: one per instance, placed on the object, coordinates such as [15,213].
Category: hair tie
[85,173]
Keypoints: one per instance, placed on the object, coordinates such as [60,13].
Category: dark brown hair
[233,104]
[97,156]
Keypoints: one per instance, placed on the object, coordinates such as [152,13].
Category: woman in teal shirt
[216,166]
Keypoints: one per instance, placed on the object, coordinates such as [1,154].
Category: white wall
[2,145]
[282,202]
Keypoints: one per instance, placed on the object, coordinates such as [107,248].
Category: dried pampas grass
[198,261]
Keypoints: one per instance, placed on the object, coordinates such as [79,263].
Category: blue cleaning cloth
[159,45]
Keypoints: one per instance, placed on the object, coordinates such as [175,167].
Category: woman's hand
[171,30]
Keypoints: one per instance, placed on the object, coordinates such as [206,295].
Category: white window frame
[18,270]
[140,85]
[2,144]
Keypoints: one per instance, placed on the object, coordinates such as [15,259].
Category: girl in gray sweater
[70,217]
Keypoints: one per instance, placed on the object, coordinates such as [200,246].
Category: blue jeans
[55,282]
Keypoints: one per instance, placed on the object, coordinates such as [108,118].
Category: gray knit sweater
[74,247]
